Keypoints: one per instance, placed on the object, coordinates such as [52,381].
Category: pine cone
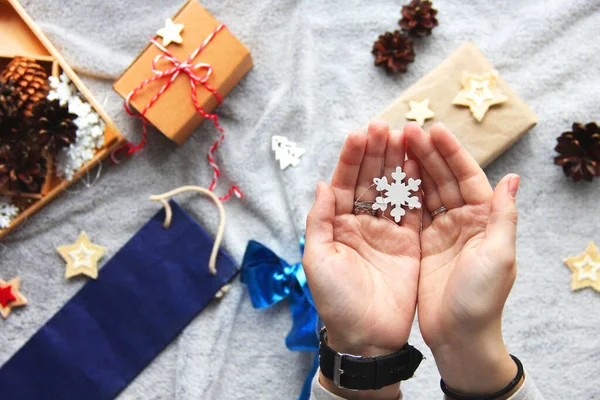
[30,80]
[23,166]
[418,18]
[54,125]
[10,118]
[11,129]
[393,51]
[10,102]
[579,152]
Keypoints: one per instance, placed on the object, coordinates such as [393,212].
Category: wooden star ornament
[585,268]
[419,111]
[479,93]
[10,296]
[170,33]
[82,257]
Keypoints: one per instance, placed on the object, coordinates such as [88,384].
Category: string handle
[162,198]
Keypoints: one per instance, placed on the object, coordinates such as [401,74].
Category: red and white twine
[191,70]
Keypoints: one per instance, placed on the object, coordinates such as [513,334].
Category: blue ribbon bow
[271,279]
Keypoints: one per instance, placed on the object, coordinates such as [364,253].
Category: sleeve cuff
[318,392]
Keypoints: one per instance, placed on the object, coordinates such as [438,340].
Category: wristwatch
[367,373]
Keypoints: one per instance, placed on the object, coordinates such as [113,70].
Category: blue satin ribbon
[271,279]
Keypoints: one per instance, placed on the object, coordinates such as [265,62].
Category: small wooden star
[10,296]
[82,257]
[585,268]
[479,93]
[171,32]
[6,296]
[419,111]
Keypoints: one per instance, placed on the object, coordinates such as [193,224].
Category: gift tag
[116,325]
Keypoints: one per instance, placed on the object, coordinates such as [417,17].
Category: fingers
[319,223]
[427,186]
[412,218]
[501,229]
[346,173]
[426,219]
[434,164]
[474,185]
[394,153]
[372,164]
[432,198]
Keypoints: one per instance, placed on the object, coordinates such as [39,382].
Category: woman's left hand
[363,270]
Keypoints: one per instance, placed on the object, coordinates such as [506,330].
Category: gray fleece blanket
[314,81]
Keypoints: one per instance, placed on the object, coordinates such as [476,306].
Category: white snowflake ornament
[90,128]
[397,194]
[61,89]
[8,212]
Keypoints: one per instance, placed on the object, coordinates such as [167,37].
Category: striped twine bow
[192,70]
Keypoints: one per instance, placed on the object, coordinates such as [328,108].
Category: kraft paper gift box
[502,125]
[174,113]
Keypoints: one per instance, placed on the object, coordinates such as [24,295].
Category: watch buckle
[338,371]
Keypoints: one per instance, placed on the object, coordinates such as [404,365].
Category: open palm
[468,252]
[363,270]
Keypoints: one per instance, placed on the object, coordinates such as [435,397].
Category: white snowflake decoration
[286,152]
[90,128]
[61,89]
[8,212]
[397,194]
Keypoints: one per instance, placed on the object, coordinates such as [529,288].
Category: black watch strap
[367,373]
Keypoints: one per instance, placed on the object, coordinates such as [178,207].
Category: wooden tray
[20,36]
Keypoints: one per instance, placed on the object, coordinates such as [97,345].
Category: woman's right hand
[468,263]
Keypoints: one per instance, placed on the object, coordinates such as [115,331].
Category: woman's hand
[468,263]
[363,270]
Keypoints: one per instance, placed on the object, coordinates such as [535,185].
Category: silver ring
[438,211]
[364,207]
